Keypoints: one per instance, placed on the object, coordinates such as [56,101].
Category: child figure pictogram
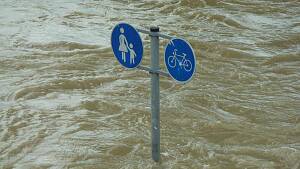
[132,53]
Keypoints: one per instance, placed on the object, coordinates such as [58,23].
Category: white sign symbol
[184,63]
[132,53]
[124,47]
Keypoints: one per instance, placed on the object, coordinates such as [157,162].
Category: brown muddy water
[65,102]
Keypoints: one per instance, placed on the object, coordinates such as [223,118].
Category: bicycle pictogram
[184,63]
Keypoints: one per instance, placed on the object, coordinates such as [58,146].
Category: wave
[292,41]
[62,45]
[283,58]
[61,84]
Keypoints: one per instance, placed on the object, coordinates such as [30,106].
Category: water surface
[65,102]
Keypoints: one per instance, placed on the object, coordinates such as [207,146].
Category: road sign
[180,60]
[127,45]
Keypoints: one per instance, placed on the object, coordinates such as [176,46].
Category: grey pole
[155,95]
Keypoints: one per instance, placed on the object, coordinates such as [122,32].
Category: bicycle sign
[180,60]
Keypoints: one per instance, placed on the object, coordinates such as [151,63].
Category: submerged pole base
[155,95]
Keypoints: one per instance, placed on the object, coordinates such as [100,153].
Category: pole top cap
[154,29]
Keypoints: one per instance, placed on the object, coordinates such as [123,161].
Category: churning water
[65,102]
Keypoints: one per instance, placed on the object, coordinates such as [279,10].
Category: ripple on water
[65,102]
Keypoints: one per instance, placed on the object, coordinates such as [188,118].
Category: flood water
[65,101]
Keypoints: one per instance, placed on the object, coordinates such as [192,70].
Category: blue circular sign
[127,45]
[180,60]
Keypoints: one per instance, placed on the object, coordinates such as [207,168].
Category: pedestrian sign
[127,45]
[180,60]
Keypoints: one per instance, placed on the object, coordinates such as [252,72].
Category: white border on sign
[138,36]
[181,82]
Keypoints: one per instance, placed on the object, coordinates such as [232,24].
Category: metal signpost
[179,59]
